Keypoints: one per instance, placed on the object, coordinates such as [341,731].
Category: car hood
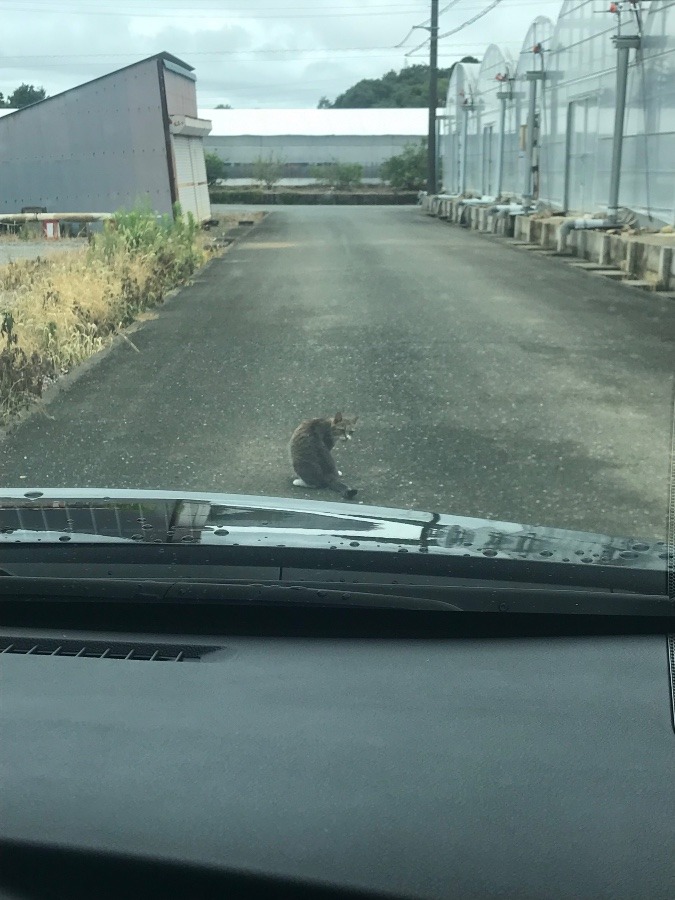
[69,516]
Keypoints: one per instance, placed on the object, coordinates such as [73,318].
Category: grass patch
[56,312]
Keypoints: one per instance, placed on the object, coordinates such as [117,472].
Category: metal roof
[167,57]
[316,122]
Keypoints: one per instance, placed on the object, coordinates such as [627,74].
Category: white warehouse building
[302,138]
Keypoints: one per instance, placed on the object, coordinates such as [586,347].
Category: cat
[310,448]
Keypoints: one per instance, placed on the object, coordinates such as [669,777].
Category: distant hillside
[407,88]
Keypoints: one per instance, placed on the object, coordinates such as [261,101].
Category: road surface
[488,382]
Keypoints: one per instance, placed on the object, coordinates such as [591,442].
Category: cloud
[249,53]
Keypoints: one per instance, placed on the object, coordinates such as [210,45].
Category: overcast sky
[248,53]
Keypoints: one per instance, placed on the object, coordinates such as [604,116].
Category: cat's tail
[342,489]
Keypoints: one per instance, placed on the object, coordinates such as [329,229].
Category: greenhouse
[583,120]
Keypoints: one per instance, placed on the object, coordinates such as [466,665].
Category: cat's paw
[298,482]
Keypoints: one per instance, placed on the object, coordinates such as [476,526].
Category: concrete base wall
[647,259]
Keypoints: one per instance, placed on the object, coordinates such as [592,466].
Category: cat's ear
[337,417]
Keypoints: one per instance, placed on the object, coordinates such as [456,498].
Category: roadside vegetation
[337,175]
[216,168]
[407,171]
[267,170]
[56,312]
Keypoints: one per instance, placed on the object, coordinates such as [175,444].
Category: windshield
[414,257]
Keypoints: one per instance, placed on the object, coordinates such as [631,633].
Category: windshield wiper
[448,598]
[106,590]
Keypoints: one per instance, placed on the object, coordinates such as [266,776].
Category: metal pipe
[477,201]
[514,209]
[529,145]
[50,217]
[503,96]
[533,78]
[623,45]
[570,225]
[462,158]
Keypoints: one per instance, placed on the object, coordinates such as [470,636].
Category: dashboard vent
[105,649]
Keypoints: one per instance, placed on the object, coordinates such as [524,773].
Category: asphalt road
[488,382]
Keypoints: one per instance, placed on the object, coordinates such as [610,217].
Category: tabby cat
[310,447]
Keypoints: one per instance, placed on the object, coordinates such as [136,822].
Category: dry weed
[56,312]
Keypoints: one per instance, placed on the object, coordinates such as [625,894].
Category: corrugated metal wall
[94,148]
[575,112]
[181,91]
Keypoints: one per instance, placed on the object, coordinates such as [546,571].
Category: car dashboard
[309,765]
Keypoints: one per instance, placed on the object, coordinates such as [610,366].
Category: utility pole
[433,91]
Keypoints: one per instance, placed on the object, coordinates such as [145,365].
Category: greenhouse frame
[543,128]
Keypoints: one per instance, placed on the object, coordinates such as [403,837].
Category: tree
[407,88]
[267,171]
[408,170]
[216,168]
[223,106]
[24,96]
[338,175]
[324,103]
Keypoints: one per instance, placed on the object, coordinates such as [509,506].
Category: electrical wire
[204,13]
[475,18]
[427,22]
[89,57]
[468,22]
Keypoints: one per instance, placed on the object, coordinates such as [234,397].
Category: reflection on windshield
[260,522]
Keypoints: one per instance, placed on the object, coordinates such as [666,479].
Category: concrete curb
[641,261]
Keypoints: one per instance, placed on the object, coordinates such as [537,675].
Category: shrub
[408,170]
[216,168]
[267,171]
[340,176]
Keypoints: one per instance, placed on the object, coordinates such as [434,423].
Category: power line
[426,22]
[322,53]
[249,15]
[468,22]
[480,15]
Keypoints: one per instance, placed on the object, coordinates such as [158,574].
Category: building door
[581,155]
[193,192]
